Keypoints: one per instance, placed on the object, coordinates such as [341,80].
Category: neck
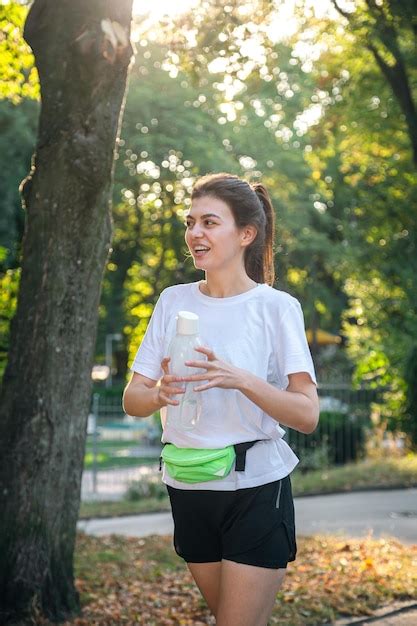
[224,286]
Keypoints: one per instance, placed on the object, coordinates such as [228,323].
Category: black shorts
[253,526]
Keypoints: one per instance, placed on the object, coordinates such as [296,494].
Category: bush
[146,488]
[315,457]
[115,391]
[339,439]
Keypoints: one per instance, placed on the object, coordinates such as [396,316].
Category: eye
[207,222]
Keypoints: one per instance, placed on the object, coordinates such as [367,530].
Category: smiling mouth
[200,252]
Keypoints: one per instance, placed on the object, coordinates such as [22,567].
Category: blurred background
[317,100]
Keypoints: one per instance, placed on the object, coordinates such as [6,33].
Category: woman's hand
[218,374]
[165,387]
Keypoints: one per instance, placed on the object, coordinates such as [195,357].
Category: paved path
[398,614]
[408,618]
[389,512]
[130,525]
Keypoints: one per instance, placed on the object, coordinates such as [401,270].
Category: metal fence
[344,427]
[122,449]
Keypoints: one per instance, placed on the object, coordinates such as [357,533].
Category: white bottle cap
[187,323]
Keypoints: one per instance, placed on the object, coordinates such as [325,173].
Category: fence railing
[121,449]
[345,424]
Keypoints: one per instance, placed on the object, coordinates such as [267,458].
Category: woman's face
[212,236]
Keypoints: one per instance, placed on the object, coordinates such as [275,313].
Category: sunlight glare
[285,23]
[158,8]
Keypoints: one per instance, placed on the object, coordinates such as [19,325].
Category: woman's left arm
[296,407]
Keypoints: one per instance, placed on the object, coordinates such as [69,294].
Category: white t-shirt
[261,331]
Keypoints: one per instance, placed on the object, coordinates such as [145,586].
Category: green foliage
[9,284]
[19,109]
[115,391]
[315,458]
[408,417]
[18,124]
[165,144]
[366,171]
[146,488]
[339,439]
[314,115]
[18,75]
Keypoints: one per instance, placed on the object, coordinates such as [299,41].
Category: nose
[197,231]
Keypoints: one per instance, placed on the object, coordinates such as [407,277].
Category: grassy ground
[105,460]
[112,443]
[123,507]
[113,453]
[363,475]
[142,581]
[389,472]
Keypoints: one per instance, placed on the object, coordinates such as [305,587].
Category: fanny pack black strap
[160,457]
[241,449]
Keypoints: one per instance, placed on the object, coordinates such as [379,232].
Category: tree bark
[82,52]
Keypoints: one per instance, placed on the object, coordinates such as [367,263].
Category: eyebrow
[190,217]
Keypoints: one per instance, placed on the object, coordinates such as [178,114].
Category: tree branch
[348,16]
[397,78]
[383,29]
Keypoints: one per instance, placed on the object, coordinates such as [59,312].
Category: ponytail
[259,260]
[250,204]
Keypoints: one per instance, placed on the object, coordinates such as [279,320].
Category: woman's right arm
[144,396]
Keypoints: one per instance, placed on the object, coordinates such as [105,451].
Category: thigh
[207,578]
[247,594]
[196,525]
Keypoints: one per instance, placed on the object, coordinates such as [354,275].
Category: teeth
[201,249]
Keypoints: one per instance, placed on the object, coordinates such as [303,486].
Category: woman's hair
[250,205]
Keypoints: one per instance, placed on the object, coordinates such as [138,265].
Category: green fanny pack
[197,465]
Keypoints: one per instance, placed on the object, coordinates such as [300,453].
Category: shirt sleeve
[293,352]
[150,353]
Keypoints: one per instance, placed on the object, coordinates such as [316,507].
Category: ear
[248,234]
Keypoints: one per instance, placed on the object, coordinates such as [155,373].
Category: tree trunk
[82,52]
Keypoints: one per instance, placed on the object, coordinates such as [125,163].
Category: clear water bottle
[186,414]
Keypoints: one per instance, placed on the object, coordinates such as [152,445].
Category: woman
[235,533]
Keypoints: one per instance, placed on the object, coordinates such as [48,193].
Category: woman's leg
[246,595]
[207,577]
